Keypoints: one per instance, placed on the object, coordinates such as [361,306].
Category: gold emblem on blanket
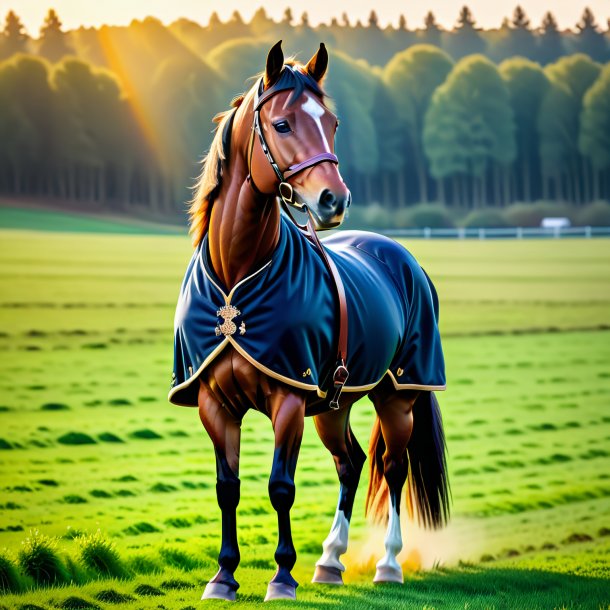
[228,327]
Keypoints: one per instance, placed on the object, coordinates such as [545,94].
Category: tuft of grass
[145,434]
[74,499]
[177,558]
[78,603]
[163,488]
[142,527]
[39,560]
[100,493]
[72,533]
[177,584]
[10,582]
[99,554]
[177,522]
[148,590]
[119,402]
[112,596]
[48,482]
[4,444]
[143,564]
[76,438]
[54,406]
[108,437]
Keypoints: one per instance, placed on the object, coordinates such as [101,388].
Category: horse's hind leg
[394,410]
[336,434]
[225,431]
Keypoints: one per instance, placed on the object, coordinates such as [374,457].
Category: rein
[287,197]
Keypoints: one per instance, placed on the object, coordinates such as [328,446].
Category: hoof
[388,574]
[216,590]
[327,576]
[279,590]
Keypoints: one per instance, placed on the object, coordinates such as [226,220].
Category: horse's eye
[282,127]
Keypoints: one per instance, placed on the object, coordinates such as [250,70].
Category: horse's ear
[317,65]
[275,63]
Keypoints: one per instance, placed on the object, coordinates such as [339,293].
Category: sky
[74,13]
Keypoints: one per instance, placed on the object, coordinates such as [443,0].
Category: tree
[432,31]
[287,18]
[590,40]
[469,131]
[402,23]
[558,127]
[29,125]
[594,136]
[14,38]
[465,39]
[523,42]
[373,20]
[353,86]
[550,44]
[53,43]
[527,85]
[411,77]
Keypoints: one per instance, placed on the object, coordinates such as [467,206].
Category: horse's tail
[427,488]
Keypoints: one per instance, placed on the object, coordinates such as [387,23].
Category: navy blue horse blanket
[283,318]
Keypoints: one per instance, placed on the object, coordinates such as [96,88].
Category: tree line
[119,116]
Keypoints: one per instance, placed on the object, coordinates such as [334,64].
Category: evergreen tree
[287,18]
[523,42]
[590,40]
[550,45]
[14,38]
[432,31]
[402,23]
[373,20]
[465,39]
[53,43]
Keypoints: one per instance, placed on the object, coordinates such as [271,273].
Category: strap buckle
[288,195]
[339,378]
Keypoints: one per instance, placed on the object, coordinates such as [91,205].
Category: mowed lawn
[88,441]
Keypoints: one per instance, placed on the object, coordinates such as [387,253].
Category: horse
[257,327]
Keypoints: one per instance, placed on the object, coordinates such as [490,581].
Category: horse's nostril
[327,198]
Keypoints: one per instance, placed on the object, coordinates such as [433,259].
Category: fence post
[588,232]
[519,232]
[427,232]
[481,233]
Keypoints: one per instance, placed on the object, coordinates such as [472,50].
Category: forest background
[478,127]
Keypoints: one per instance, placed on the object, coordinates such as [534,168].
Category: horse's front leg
[225,431]
[287,412]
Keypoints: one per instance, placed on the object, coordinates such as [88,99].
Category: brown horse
[237,226]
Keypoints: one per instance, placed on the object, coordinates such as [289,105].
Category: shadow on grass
[464,588]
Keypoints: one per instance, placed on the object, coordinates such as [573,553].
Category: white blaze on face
[316,111]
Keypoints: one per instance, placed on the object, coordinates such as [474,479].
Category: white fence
[507,233]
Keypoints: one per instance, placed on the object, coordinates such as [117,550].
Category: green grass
[41,219]
[86,355]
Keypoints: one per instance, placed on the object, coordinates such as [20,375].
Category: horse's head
[292,150]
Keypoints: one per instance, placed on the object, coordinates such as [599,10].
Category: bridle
[285,189]
[288,199]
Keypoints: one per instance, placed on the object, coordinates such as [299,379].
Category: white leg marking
[388,568]
[336,543]
[316,111]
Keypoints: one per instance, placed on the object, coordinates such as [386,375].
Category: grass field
[88,441]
